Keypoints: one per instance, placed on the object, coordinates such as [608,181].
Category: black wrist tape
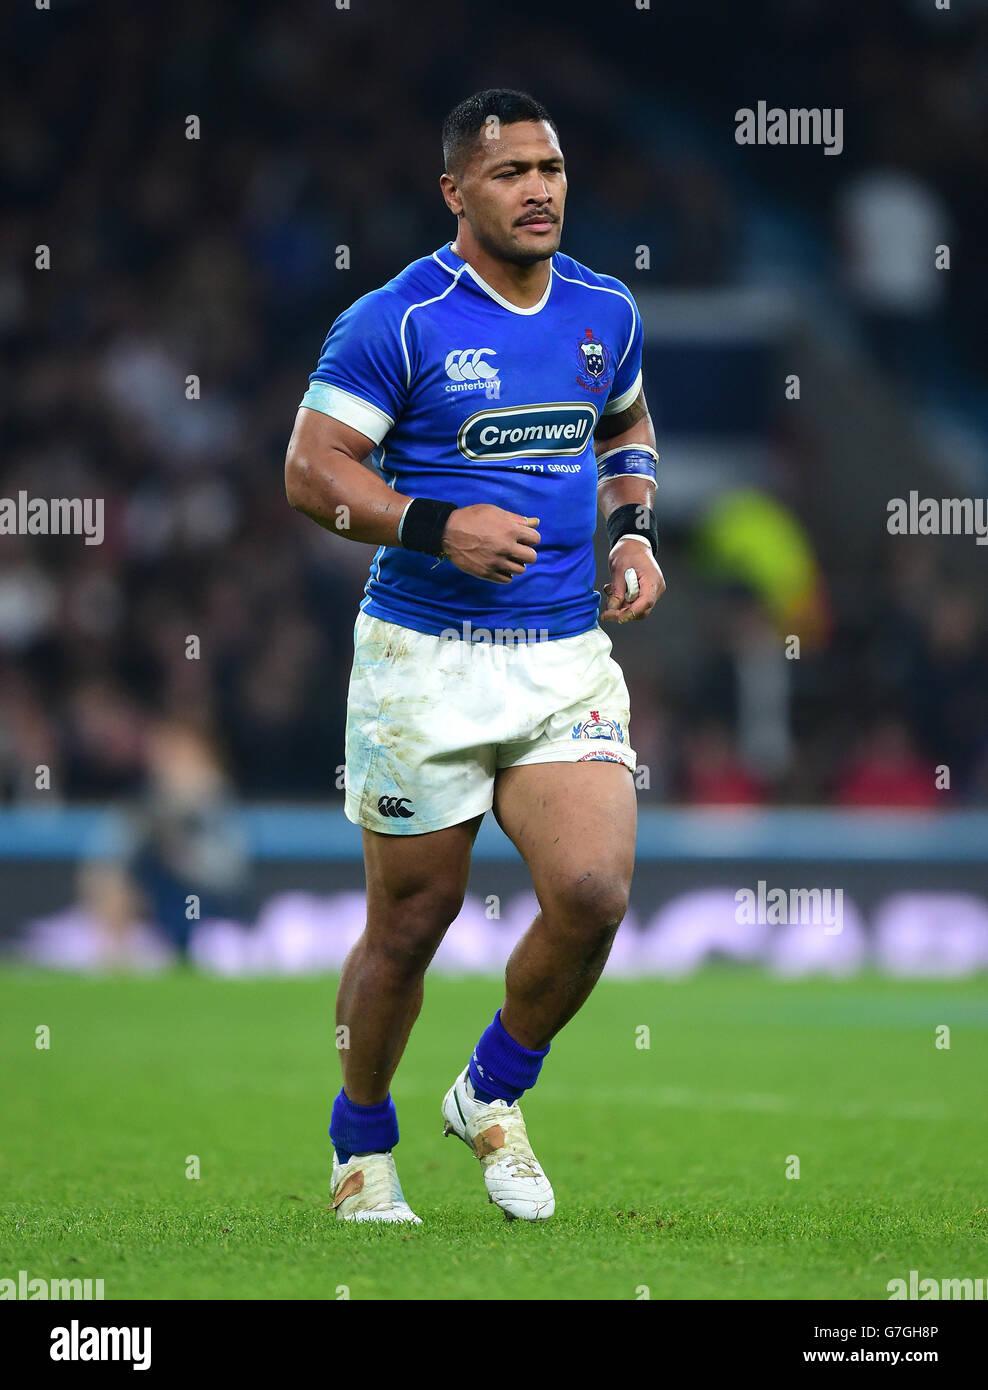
[423,524]
[634,519]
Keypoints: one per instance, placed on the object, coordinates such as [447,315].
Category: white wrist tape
[630,537]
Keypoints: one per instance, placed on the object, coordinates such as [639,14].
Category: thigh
[569,820]
[433,868]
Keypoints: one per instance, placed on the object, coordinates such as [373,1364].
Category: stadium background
[220,257]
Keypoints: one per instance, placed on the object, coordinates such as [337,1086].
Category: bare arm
[325,478]
[630,426]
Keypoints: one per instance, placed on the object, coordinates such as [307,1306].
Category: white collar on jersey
[460,264]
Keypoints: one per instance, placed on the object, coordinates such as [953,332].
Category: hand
[490,543]
[631,554]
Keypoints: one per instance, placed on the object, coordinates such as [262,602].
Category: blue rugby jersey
[470,399]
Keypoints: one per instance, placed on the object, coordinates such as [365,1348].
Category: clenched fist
[490,543]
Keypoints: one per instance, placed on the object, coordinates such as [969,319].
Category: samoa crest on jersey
[596,369]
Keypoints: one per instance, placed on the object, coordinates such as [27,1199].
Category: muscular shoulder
[419,283]
[576,274]
[389,310]
[381,317]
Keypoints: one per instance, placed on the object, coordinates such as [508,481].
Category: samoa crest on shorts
[598,727]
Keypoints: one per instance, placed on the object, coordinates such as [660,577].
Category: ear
[450,193]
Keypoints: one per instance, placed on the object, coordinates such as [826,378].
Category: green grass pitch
[669,1162]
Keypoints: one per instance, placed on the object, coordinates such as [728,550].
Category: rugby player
[496,385]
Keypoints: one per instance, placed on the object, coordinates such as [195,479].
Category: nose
[539,191]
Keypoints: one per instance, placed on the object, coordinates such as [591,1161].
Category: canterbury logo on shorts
[394,806]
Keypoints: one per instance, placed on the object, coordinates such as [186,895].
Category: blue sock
[362,1129]
[500,1068]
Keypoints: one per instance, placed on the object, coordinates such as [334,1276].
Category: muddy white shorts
[430,721]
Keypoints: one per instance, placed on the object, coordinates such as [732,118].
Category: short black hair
[464,122]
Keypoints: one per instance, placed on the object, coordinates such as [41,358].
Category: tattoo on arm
[608,426]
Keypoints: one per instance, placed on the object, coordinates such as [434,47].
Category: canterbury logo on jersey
[520,431]
[394,806]
[467,364]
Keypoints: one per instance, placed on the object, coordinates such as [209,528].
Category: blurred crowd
[159,361]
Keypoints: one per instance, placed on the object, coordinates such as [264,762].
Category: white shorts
[430,721]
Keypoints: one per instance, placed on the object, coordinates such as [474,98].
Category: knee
[595,902]
[405,933]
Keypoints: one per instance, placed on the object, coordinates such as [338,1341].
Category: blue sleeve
[628,376]
[363,371]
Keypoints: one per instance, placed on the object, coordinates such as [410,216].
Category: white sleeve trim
[369,420]
[626,397]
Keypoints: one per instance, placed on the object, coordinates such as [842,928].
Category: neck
[523,285]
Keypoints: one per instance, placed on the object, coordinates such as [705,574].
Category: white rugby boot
[367,1189]
[495,1132]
